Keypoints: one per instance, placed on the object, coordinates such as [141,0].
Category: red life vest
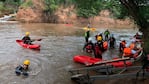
[89,48]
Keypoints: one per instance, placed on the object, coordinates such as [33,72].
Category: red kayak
[91,61]
[30,46]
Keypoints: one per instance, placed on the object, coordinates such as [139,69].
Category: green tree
[139,10]
[88,8]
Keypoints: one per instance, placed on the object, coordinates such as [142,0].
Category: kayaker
[26,39]
[122,45]
[89,46]
[89,25]
[22,69]
[106,34]
[112,41]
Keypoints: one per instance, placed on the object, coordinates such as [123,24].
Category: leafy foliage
[50,6]
[27,4]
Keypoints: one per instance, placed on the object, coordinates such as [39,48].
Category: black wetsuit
[87,35]
[26,40]
[19,69]
[112,42]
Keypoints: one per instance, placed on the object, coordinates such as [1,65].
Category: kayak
[30,46]
[86,60]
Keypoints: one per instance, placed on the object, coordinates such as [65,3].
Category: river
[59,44]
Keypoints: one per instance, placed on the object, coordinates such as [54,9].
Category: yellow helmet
[99,38]
[26,62]
[27,33]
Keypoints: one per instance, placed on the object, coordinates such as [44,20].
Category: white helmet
[100,33]
[89,39]
[139,33]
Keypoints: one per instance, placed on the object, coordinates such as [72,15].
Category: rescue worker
[97,50]
[122,45]
[99,37]
[129,52]
[87,35]
[106,34]
[26,39]
[22,69]
[112,41]
[105,46]
[145,65]
[89,46]
[138,35]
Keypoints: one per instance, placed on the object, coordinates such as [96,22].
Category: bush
[27,4]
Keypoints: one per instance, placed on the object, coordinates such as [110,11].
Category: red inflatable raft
[91,61]
[30,46]
[86,60]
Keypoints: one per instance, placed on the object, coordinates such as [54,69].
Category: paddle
[89,29]
[36,39]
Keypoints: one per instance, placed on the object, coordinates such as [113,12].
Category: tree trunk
[134,10]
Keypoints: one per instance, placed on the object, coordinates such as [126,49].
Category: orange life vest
[127,52]
[105,45]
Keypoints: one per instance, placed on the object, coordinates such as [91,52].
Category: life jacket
[105,45]
[106,32]
[87,34]
[89,48]
[127,52]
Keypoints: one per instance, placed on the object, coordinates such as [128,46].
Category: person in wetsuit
[112,41]
[89,46]
[22,69]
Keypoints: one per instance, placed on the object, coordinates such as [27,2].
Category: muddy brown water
[59,44]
